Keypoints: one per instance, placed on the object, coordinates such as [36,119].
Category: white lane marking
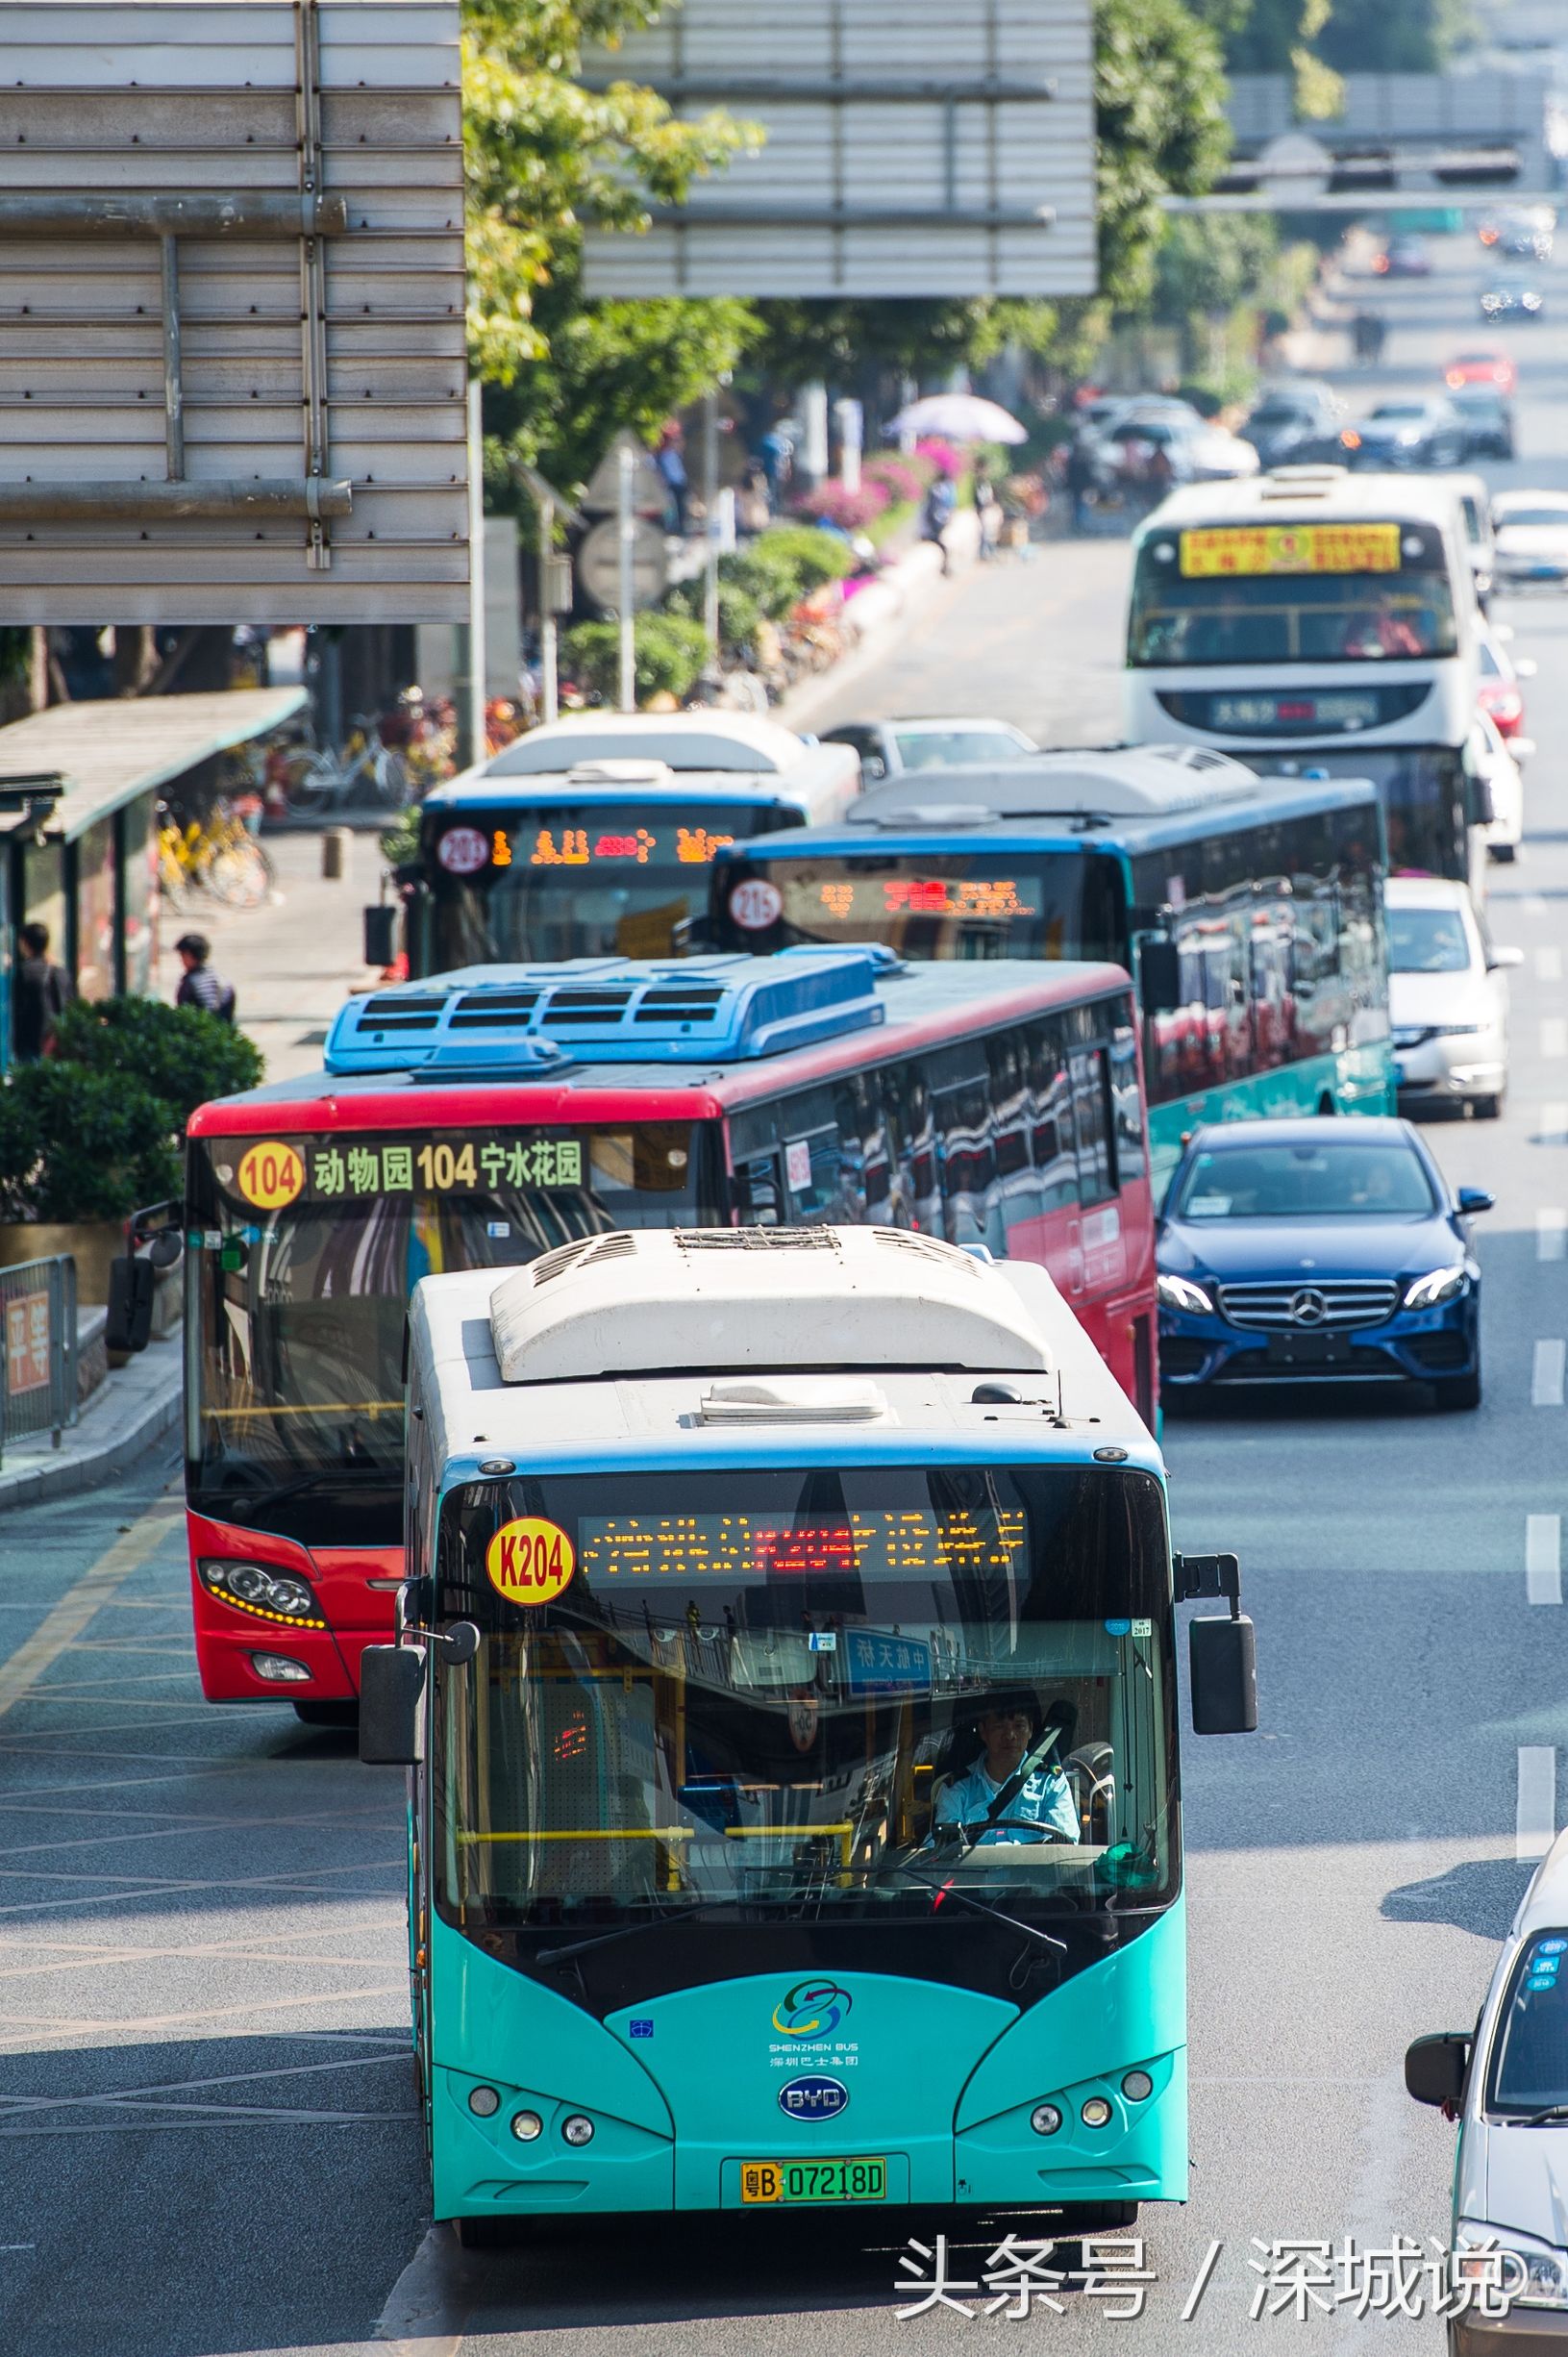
[423,2315]
[1554,1129]
[1552,1232]
[1546,1376]
[1554,1034]
[1543,1558]
[60,1628]
[1535,1810]
[1549,963]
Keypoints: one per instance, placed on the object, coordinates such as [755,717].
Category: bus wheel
[481,2233]
[328,1713]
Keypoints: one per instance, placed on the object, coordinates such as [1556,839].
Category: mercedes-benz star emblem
[1307,1308]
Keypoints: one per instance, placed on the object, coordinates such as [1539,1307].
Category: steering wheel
[1018,1825]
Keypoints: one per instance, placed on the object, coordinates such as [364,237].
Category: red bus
[484,1118]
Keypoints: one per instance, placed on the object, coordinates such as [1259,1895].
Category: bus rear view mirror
[1159,975]
[1222,1659]
[132,1283]
[1436,2069]
[391,1682]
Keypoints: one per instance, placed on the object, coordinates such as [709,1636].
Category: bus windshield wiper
[981,1906]
[323,1474]
[1542,2119]
[629,1931]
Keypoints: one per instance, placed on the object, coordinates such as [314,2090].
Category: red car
[1488,364]
[1498,695]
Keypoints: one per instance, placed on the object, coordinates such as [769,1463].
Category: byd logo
[814,2099]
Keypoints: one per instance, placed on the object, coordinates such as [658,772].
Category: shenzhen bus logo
[813,2009]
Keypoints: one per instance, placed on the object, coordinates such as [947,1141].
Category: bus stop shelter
[88,869]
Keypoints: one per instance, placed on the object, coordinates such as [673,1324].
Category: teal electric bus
[787,1668]
[1248,910]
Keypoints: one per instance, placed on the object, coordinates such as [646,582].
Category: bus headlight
[267,1593]
[1045,2120]
[1438,1285]
[526,2126]
[1096,2113]
[484,2102]
[1137,2086]
[577,2130]
[1181,1293]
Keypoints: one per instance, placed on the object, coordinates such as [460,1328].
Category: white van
[1506,2084]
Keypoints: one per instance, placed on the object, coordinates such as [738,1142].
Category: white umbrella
[960,417]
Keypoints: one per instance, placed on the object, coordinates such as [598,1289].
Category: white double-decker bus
[1319,622]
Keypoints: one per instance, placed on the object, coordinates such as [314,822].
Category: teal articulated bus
[787,1676]
[1248,910]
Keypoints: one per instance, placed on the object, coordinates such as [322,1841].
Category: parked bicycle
[367,769]
[218,855]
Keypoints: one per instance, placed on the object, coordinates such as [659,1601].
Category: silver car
[1448,1001]
[1506,2084]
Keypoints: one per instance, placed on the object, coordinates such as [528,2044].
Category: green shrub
[77,1144]
[181,1055]
[770,578]
[817,557]
[740,613]
[399,842]
[668,655]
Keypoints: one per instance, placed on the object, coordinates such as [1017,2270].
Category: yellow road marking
[61,1627]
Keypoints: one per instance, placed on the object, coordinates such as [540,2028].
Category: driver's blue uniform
[1045,1798]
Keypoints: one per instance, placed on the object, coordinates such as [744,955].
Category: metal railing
[37,1348]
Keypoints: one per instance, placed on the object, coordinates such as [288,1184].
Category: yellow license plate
[857,2180]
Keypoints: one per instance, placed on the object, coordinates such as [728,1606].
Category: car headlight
[1181,1293]
[1526,2273]
[262,1591]
[1437,1285]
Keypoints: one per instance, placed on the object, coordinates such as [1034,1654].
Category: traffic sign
[599,565]
[650,492]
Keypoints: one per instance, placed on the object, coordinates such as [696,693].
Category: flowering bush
[944,456]
[848,511]
[903,479]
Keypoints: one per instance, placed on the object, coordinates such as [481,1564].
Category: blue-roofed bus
[486,1118]
[593,837]
[787,1672]
[1249,911]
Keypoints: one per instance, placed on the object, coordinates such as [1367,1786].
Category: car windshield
[304,1250]
[955,748]
[1428,941]
[1347,1180]
[1530,2050]
[780,1688]
[1400,411]
[1557,518]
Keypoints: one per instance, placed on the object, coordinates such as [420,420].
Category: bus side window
[915,1194]
[1091,1105]
[962,1109]
[1050,1089]
[1131,1161]
[1015,1189]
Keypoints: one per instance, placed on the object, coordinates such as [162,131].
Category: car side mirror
[1503,957]
[391,1684]
[1437,2068]
[1474,1199]
[1160,974]
[1222,1656]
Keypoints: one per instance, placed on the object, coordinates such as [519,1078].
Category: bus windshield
[304,1252]
[931,904]
[581,880]
[806,1692]
[1193,606]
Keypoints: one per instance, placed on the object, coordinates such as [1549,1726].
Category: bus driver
[1014,1732]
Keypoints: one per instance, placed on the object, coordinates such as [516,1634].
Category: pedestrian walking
[935,515]
[988,513]
[1080,480]
[40,994]
[670,459]
[199,986]
[754,509]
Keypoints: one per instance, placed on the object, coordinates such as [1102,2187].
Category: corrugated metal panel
[932,155]
[200,96]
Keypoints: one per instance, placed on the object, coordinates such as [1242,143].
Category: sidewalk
[137,1405]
